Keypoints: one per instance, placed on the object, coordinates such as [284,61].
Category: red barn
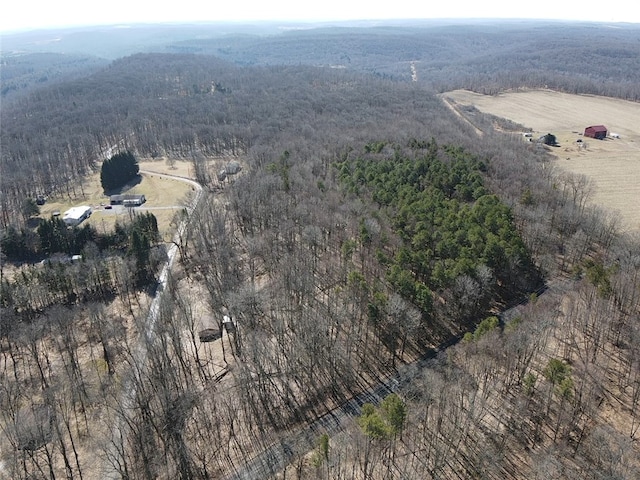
[596,131]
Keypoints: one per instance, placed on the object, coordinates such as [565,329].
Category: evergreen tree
[29,208]
[54,236]
[139,250]
[119,170]
[143,234]
[14,244]
[394,411]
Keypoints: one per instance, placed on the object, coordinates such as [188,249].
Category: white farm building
[75,215]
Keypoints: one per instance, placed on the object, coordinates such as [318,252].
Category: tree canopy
[118,170]
[449,224]
[386,421]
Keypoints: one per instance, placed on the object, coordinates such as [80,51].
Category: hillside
[611,167]
[485,56]
[364,287]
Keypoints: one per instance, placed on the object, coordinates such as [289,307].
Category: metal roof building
[75,215]
[127,199]
[596,131]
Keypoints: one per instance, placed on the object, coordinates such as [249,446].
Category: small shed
[209,330]
[596,131]
[232,167]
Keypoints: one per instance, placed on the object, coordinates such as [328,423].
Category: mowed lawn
[612,164]
[164,197]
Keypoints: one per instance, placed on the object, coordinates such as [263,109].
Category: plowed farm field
[613,164]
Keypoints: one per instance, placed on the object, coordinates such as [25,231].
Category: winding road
[120,430]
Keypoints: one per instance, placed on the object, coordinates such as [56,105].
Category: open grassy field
[612,164]
[164,197]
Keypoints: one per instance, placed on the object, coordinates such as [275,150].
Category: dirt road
[120,429]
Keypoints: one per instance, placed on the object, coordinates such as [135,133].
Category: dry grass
[184,168]
[164,197]
[612,164]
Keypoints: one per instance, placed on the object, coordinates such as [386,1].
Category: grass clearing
[612,164]
[164,197]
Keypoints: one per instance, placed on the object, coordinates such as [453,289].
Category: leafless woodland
[314,330]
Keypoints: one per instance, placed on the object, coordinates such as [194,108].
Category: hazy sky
[33,14]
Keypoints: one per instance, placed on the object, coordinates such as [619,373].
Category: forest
[486,56]
[396,296]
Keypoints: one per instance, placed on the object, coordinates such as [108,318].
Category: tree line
[262,257]
[189,104]
[57,279]
[484,57]
[297,252]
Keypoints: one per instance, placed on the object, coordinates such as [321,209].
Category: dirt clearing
[613,164]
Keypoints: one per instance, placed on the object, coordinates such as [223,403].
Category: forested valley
[486,56]
[396,296]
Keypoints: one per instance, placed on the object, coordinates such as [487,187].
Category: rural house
[596,131]
[75,215]
[127,200]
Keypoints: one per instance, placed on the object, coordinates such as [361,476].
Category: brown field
[612,164]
